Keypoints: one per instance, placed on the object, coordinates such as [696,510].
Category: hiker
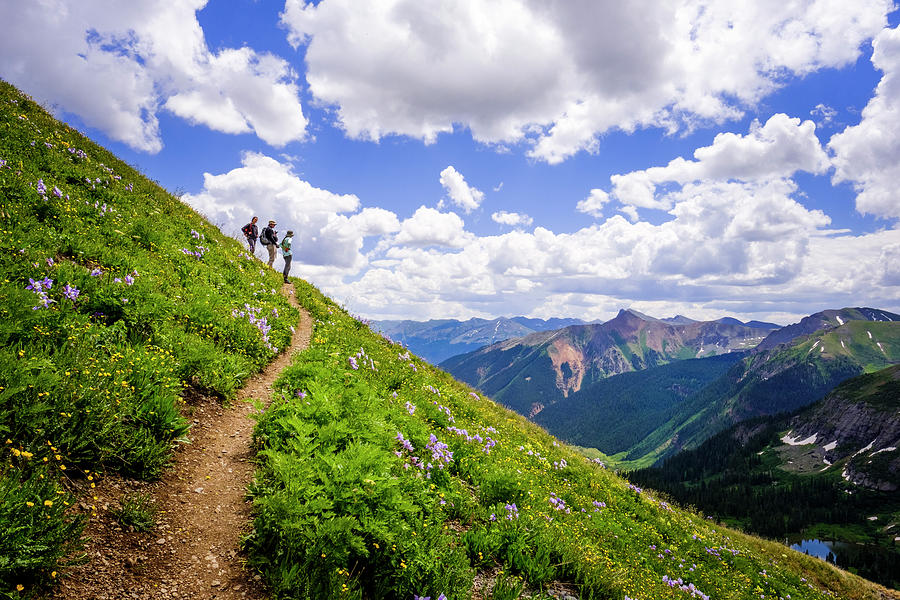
[286,253]
[251,232]
[269,239]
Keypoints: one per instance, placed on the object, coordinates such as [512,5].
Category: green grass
[344,509]
[92,381]
[137,512]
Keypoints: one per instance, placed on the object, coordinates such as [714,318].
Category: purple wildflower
[71,292]
[41,188]
[129,280]
[353,364]
[96,273]
[57,192]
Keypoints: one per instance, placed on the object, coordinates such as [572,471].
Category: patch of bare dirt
[193,552]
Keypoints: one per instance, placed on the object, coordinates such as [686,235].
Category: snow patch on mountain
[796,441]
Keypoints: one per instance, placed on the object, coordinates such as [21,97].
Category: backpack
[264,238]
[247,229]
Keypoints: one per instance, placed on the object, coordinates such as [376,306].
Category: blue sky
[460,158]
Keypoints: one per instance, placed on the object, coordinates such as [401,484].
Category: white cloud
[778,149]
[430,227]
[594,203]
[511,218]
[264,187]
[868,154]
[824,113]
[730,246]
[116,65]
[559,74]
[461,193]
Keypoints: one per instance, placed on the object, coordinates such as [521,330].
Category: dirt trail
[193,551]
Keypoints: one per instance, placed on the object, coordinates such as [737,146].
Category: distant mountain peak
[630,312]
[679,320]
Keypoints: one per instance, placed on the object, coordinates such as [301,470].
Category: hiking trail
[193,552]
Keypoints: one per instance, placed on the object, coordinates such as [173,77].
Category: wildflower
[96,273]
[129,280]
[71,292]
[410,407]
[48,502]
[353,364]
[57,192]
[41,188]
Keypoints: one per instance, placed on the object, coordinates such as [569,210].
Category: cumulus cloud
[512,219]
[729,243]
[430,227]
[558,74]
[823,113]
[461,193]
[594,203]
[778,149]
[324,233]
[868,154]
[117,65]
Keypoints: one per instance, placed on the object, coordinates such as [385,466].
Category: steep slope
[827,319]
[382,477]
[780,379]
[835,463]
[855,428]
[438,340]
[613,413]
[538,370]
[115,300]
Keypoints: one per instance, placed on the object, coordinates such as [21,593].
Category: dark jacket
[270,236]
[250,230]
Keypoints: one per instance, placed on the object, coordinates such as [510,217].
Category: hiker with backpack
[251,232]
[286,253]
[269,239]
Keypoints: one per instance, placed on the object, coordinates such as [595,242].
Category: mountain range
[439,339]
[626,388]
[530,373]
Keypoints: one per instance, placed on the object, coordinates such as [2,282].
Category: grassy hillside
[382,477]
[115,301]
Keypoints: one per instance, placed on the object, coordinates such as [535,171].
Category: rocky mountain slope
[439,339]
[827,319]
[856,429]
[530,373]
[783,377]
